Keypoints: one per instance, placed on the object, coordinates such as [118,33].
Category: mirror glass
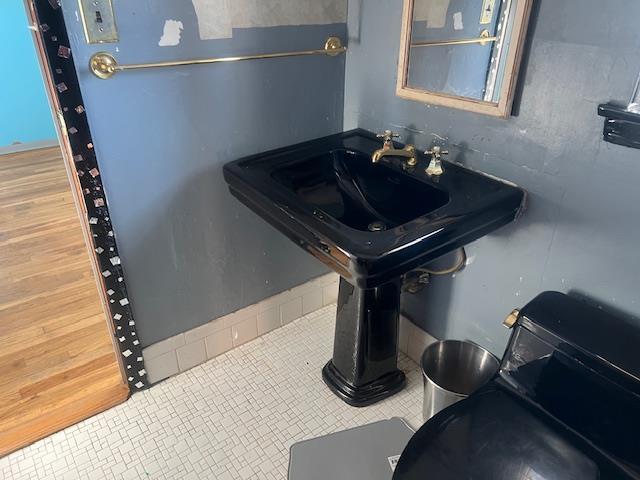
[466,49]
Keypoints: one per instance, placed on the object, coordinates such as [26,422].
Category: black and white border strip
[51,28]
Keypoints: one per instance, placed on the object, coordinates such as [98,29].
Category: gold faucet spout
[408,152]
[389,150]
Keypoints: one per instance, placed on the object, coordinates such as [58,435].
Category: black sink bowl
[346,186]
[371,223]
[327,194]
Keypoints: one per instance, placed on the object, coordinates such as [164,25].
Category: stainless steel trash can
[453,370]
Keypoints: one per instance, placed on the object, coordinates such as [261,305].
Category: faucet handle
[388,136]
[435,165]
[436,152]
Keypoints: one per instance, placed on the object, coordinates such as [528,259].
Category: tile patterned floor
[234,417]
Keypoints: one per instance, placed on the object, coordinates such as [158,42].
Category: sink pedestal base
[364,368]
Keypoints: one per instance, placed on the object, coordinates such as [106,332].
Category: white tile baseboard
[193,347]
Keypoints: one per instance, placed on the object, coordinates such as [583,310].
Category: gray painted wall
[191,252]
[582,230]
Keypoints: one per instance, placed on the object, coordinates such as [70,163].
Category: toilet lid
[496,435]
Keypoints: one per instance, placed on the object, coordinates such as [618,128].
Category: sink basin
[348,187]
[327,194]
[371,223]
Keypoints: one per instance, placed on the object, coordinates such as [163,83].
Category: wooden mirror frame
[500,109]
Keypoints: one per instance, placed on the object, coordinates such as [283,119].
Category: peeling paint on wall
[214,18]
[457,21]
[171,33]
[218,18]
[434,12]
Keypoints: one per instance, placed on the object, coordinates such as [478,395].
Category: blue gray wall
[582,229]
[24,108]
[191,252]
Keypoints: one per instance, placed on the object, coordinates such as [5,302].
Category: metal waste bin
[452,370]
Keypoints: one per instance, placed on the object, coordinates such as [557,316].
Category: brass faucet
[389,150]
[435,168]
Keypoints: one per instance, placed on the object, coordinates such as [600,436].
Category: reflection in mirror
[462,50]
[464,69]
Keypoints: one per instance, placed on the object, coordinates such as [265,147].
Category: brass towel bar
[104,65]
[484,38]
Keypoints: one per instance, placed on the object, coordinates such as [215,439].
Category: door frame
[93,212]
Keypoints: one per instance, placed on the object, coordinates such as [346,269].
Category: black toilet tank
[565,404]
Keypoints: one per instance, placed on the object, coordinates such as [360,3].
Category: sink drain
[376,227]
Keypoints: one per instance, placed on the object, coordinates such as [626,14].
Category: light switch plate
[99,21]
[487,11]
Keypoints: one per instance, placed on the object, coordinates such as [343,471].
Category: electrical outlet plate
[486,16]
[99,21]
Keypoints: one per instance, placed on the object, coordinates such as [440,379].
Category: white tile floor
[234,417]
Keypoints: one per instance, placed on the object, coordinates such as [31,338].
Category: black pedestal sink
[371,223]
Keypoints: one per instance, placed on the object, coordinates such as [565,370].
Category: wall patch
[433,12]
[214,18]
[218,18]
[457,21]
[171,33]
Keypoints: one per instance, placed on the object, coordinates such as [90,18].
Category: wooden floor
[57,360]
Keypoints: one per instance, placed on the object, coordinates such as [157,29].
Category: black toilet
[565,405]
